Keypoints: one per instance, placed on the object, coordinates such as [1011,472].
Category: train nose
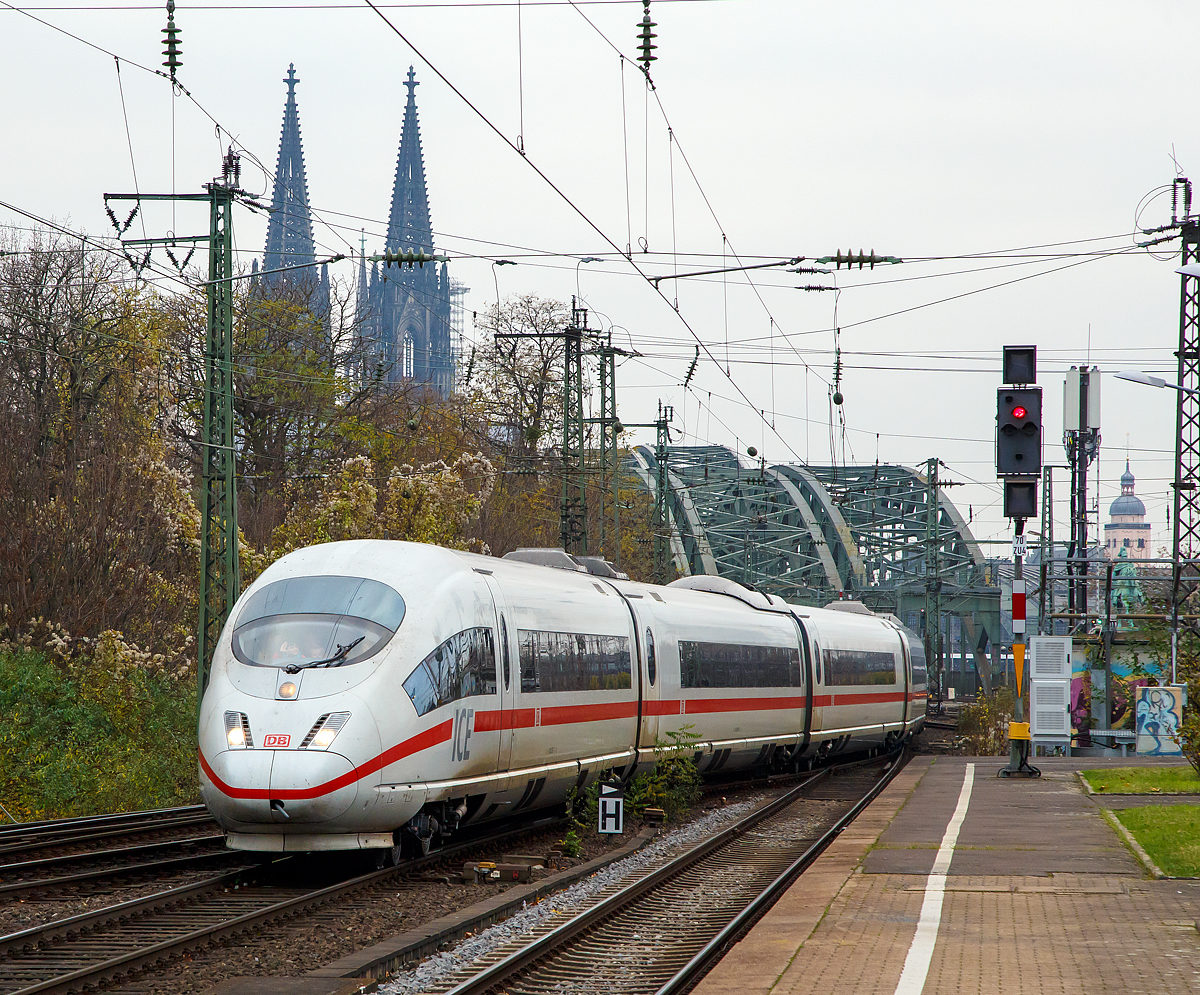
[304,787]
[309,787]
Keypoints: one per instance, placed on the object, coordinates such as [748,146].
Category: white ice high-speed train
[373,693]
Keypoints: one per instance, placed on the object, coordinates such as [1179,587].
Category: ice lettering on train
[463,720]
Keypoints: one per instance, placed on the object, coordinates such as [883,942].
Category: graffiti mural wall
[1159,717]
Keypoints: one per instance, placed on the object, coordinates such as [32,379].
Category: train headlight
[237,731]
[287,690]
[325,731]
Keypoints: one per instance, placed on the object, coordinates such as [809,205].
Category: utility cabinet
[1050,691]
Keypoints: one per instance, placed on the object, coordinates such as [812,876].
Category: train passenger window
[422,690]
[854,667]
[651,667]
[734,665]
[573,661]
[817,662]
[504,651]
[462,666]
[316,622]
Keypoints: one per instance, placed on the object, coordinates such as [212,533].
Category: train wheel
[387,858]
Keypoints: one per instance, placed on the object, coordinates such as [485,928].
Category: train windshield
[316,622]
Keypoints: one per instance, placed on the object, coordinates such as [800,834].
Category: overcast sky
[920,130]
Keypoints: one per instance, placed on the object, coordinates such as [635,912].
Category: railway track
[40,858]
[118,942]
[659,932]
[68,834]
[47,874]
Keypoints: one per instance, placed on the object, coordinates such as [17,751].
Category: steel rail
[39,936]
[116,852]
[495,976]
[130,829]
[167,863]
[45,827]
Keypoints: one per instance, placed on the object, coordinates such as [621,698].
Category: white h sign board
[611,809]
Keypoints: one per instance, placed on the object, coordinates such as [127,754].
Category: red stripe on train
[698,706]
[867,699]
[440,733]
[552,715]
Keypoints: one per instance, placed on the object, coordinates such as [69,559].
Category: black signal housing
[1018,431]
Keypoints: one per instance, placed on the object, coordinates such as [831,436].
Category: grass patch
[1170,835]
[79,739]
[1181,780]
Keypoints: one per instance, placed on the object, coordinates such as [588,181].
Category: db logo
[277,739]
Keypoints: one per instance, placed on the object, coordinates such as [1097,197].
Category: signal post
[1019,464]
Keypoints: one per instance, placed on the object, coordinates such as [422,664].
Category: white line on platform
[920,953]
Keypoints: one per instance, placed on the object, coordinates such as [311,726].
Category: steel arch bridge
[815,534]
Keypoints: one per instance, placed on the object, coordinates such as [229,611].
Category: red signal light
[1019,412]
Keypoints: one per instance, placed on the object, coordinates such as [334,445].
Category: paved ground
[1041,896]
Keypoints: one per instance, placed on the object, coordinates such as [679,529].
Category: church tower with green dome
[1127,533]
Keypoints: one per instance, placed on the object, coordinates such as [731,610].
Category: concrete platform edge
[381,959]
[1115,822]
[1143,857]
[781,934]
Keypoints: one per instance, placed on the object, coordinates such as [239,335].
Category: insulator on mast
[174,48]
[647,37]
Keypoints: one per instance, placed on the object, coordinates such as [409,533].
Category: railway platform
[954,881]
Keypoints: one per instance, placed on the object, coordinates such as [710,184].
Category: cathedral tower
[409,308]
[289,230]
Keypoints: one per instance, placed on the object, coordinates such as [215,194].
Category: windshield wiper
[338,657]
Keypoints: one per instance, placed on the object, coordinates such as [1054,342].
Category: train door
[650,678]
[506,674]
[810,682]
[908,683]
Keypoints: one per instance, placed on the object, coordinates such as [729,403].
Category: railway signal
[1018,463]
[1018,431]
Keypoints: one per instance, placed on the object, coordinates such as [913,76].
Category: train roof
[394,561]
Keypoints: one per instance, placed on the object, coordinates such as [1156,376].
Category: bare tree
[95,530]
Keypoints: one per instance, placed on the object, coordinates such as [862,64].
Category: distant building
[1127,532]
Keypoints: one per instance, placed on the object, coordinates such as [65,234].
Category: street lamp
[584,259]
[495,263]
[1137,377]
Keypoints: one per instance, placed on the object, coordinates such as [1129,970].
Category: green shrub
[674,784]
[983,725]
[87,737]
[571,845]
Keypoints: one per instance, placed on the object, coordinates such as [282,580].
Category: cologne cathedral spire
[409,225]
[290,230]
[408,312]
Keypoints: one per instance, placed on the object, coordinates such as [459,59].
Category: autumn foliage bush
[84,736]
